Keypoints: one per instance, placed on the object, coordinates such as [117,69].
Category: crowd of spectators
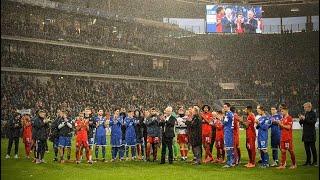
[44,23]
[26,91]
[272,69]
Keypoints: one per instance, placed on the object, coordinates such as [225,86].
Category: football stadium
[160,89]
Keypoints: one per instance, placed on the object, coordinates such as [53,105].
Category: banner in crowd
[24,111]
[228,85]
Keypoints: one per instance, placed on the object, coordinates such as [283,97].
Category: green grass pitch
[23,168]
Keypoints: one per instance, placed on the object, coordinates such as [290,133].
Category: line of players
[141,133]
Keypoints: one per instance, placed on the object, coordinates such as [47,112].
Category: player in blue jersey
[228,134]
[100,137]
[65,135]
[131,140]
[263,124]
[275,134]
[116,134]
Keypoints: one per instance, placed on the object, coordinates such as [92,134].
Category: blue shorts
[262,144]
[275,142]
[116,141]
[101,140]
[131,141]
[228,143]
[64,141]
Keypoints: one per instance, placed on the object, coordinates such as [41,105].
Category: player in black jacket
[39,126]
[123,115]
[14,133]
[140,126]
[92,127]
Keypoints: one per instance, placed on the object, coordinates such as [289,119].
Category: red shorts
[251,143]
[82,142]
[206,139]
[152,140]
[286,145]
[236,144]
[236,141]
[219,143]
[182,138]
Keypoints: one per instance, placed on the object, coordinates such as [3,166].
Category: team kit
[143,132]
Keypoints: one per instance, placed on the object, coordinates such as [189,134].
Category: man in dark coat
[140,128]
[195,133]
[252,24]
[167,127]
[40,126]
[153,130]
[14,132]
[89,116]
[227,22]
[308,122]
[123,115]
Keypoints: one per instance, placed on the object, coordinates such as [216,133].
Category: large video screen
[234,19]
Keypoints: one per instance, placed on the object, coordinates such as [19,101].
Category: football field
[23,168]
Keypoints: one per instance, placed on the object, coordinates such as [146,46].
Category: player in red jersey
[236,144]
[207,122]
[239,23]
[286,139]
[219,141]
[220,15]
[82,127]
[250,137]
[27,133]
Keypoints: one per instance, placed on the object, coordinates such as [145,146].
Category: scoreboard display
[233,19]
